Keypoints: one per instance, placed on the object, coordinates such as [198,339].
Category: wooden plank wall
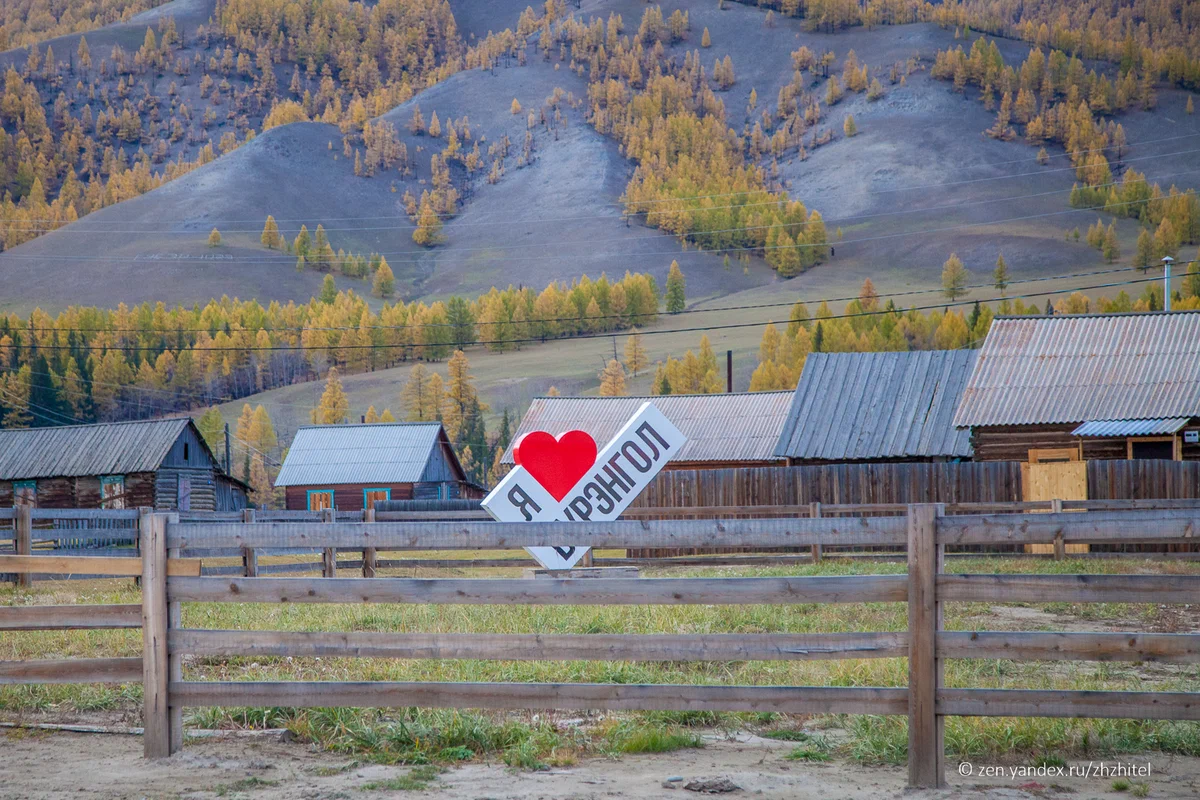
[949,482]
[945,482]
[1143,480]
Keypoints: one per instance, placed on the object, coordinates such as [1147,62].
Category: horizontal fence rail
[969,527]
[1167,648]
[1092,705]
[542,647]
[560,591]
[920,532]
[510,696]
[73,670]
[508,535]
[74,617]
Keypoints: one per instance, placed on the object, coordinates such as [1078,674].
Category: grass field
[416,737]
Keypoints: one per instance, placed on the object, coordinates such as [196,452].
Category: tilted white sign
[621,470]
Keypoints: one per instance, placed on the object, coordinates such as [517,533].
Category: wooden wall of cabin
[346,496]
[349,496]
[1013,443]
[209,491]
[84,492]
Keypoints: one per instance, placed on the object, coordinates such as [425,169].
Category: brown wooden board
[615,697]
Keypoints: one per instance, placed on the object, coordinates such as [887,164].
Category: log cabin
[350,467]
[1086,387]
[163,464]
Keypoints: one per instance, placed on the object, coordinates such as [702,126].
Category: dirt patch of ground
[111,766]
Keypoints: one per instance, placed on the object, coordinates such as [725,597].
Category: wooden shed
[857,408]
[349,467]
[1086,387]
[161,463]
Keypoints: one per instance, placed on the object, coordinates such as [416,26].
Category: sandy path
[61,765]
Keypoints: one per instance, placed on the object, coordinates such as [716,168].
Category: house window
[25,493]
[185,451]
[372,495]
[112,491]
[1158,447]
[320,499]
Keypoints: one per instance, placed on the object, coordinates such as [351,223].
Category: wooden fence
[58,535]
[923,531]
[883,483]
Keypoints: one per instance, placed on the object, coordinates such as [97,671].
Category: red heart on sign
[557,464]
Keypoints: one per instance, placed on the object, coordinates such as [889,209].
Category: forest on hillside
[81,130]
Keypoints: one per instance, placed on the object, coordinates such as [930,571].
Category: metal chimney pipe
[1167,261]
[729,371]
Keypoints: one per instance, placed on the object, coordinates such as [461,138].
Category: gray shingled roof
[863,406]
[718,427]
[392,452]
[75,451]
[1040,370]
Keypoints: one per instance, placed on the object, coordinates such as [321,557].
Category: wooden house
[162,463]
[349,467]
[722,430]
[1086,387]
[877,407]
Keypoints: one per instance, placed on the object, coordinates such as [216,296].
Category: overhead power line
[654,332]
[476,323]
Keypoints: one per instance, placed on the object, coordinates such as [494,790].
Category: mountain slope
[919,181]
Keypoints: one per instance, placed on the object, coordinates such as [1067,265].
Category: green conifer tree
[676,289]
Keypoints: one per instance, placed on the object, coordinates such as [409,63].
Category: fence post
[926,750]
[329,554]
[137,539]
[249,554]
[156,713]
[23,542]
[174,661]
[814,512]
[369,554]
[1060,549]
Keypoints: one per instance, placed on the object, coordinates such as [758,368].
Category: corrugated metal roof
[1038,370]
[1131,427]
[74,451]
[718,427]
[390,452]
[861,406]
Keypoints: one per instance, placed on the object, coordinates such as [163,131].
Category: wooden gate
[1054,480]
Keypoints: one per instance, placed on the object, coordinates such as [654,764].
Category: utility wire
[280,404]
[693,329]
[479,324]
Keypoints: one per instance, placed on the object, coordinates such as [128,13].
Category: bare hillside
[553,219]
[918,181]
